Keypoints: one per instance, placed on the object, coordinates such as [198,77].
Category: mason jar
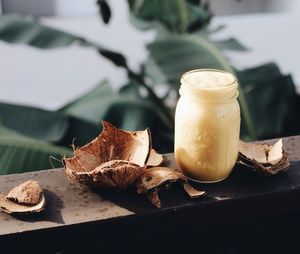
[207,125]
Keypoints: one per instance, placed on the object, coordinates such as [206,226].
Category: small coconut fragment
[191,191]
[25,198]
[254,151]
[153,197]
[155,159]
[274,161]
[114,159]
[28,193]
[275,153]
[155,178]
[8,206]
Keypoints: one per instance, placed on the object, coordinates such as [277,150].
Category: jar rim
[211,93]
[234,80]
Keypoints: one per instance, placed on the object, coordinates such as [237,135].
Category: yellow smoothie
[207,125]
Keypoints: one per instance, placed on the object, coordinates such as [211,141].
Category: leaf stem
[183,15]
[159,102]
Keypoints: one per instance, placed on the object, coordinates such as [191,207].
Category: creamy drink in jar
[207,125]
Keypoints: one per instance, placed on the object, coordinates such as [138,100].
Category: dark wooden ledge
[245,209]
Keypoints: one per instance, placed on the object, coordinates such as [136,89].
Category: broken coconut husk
[263,158]
[114,159]
[155,178]
[27,197]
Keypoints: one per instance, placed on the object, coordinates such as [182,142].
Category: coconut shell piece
[153,197]
[116,174]
[263,158]
[275,153]
[193,193]
[25,198]
[8,206]
[155,159]
[28,193]
[252,151]
[155,178]
[114,159]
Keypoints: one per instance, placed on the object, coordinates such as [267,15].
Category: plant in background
[28,136]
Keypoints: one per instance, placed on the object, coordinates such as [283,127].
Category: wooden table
[237,215]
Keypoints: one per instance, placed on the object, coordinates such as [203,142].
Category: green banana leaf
[20,153]
[48,126]
[171,57]
[26,30]
[258,73]
[271,98]
[36,123]
[269,102]
[229,44]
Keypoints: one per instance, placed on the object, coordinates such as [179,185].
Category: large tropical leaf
[26,30]
[229,44]
[171,57]
[19,153]
[258,73]
[269,101]
[34,122]
[48,126]
[271,97]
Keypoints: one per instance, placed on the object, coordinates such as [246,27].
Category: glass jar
[207,125]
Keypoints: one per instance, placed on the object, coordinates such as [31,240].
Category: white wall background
[226,7]
[50,7]
[50,78]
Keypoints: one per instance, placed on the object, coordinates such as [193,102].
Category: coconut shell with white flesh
[114,159]
[263,158]
[275,153]
[156,178]
[25,198]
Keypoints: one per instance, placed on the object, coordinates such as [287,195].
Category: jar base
[213,181]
